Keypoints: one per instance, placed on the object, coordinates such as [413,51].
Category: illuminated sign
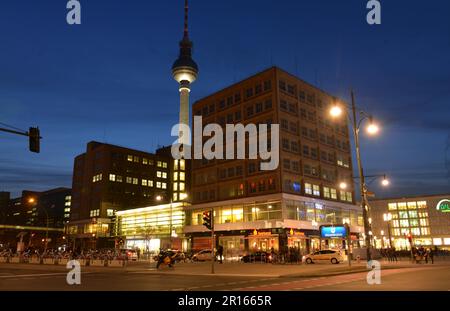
[333,231]
[443,206]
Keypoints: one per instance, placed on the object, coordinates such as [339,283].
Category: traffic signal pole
[33,134]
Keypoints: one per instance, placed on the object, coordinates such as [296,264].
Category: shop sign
[296,233]
[256,232]
[333,231]
[443,206]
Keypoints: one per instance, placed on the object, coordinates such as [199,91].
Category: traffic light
[34,138]
[410,238]
[207,219]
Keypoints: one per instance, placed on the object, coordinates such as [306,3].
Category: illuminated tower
[184,71]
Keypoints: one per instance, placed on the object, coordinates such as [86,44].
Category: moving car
[130,253]
[327,256]
[257,257]
[202,255]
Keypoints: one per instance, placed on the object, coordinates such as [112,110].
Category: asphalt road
[422,278]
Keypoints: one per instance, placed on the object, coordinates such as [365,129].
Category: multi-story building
[109,179]
[257,209]
[426,219]
[38,214]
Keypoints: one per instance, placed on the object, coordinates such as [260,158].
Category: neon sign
[443,206]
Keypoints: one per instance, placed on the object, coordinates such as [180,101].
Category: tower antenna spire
[186,14]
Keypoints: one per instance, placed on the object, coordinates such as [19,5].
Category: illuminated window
[164,175]
[308,188]
[316,190]
[158,174]
[401,206]
[164,185]
[414,222]
[144,161]
[182,187]
[397,232]
[144,182]
[94,213]
[415,231]
[175,196]
[158,184]
[129,180]
[423,214]
[396,223]
[425,231]
[412,205]
[136,159]
[130,158]
[182,176]
[159,164]
[175,186]
[182,165]
[119,178]
[135,181]
[437,241]
[97,177]
[333,193]
[164,164]
[404,223]
[422,204]
[175,165]
[349,196]
[412,214]
[175,176]
[326,192]
[424,222]
[392,206]
[403,214]
[112,177]
[446,241]
[150,183]
[109,212]
[67,210]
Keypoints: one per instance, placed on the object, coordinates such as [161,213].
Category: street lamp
[343,185]
[33,201]
[335,112]
[387,217]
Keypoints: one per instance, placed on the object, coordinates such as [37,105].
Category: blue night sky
[109,78]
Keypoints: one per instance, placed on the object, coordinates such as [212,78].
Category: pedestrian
[431,255]
[220,253]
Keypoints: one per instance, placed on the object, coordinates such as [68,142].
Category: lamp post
[372,129]
[32,201]
[387,217]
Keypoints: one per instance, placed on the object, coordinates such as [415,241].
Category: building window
[94,213]
[129,180]
[308,188]
[182,186]
[333,193]
[118,178]
[144,182]
[326,192]
[158,184]
[150,183]
[136,159]
[144,161]
[316,190]
[158,174]
[164,185]
[112,177]
[135,181]
[97,178]
[109,212]
[130,158]
[159,163]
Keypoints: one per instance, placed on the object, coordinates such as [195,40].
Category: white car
[202,255]
[327,256]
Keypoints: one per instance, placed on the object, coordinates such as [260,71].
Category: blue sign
[333,232]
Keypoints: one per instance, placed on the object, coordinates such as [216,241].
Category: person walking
[431,255]
[220,253]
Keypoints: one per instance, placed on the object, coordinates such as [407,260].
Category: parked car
[328,255]
[202,255]
[130,253]
[257,257]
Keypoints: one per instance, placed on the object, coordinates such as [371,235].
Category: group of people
[422,253]
[390,254]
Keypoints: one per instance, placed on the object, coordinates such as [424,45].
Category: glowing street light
[343,185]
[335,111]
[31,200]
[385,182]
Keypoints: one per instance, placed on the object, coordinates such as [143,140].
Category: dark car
[257,257]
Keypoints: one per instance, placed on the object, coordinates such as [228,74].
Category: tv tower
[185,71]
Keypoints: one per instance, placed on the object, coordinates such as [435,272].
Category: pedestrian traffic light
[207,219]
[34,139]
